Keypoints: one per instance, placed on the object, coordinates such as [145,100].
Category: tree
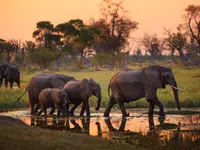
[175,41]
[192,21]
[114,28]
[151,44]
[42,56]
[45,35]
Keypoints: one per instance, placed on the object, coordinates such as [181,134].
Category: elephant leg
[71,112]
[82,111]
[151,108]
[11,84]
[124,114]
[45,112]
[18,84]
[160,105]
[52,111]
[86,107]
[37,107]
[112,102]
[58,113]
[39,113]
[6,82]
[32,109]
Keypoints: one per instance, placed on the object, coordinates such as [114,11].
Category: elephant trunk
[175,91]
[98,102]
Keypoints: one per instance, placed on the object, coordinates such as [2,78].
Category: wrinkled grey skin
[40,82]
[54,98]
[80,91]
[130,86]
[10,73]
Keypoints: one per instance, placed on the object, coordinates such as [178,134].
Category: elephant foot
[162,114]
[126,115]
[106,115]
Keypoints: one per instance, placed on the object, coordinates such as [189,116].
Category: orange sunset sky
[18,18]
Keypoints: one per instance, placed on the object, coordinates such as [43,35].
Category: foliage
[42,57]
[113,28]
[192,22]
[175,41]
[45,35]
[151,44]
[107,59]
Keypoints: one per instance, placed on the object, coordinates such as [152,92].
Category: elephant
[79,91]
[10,73]
[129,86]
[55,98]
[40,82]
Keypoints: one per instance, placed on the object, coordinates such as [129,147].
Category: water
[177,131]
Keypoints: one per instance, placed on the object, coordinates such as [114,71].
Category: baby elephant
[54,98]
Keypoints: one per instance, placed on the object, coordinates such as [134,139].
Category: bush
[108,59]
[42,57]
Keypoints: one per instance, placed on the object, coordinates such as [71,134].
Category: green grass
[188,79]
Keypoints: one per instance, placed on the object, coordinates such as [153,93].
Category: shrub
[42,57]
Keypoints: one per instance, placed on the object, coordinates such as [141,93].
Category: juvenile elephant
[54,98]
[10,73]
[80,91]
[40,82]
[132,85]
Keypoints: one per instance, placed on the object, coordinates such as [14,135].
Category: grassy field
[188,79]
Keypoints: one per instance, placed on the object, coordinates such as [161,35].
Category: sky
[18,18]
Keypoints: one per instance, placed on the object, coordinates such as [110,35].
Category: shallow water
[180,130]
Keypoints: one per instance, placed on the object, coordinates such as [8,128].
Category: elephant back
[59,81]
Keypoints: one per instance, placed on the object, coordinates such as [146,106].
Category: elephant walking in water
[80,91]
[54,98]
[129,86]
[40,82]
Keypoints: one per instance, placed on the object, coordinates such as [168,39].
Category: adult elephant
[132,85]
[10,73]
[40,82]
[80,91]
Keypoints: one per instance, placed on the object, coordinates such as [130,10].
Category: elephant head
[64,97]
[96,91]
[158,77]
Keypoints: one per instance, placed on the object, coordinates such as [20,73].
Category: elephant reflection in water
[154,131]
[62,124]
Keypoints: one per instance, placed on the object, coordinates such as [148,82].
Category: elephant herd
[57,91]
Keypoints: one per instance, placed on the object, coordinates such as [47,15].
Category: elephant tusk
[175,88]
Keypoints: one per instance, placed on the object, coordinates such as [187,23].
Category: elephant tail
[23,93]
[110,83]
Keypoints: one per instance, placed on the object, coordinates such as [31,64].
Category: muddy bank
[181,129]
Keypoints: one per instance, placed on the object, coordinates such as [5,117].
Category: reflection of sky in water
[172,127]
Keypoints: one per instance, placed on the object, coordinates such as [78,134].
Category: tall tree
[45,35]
[176,41]
[151,44]
[114,27]
[192,21]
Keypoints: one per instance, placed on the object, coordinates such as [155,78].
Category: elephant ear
[86,87]
[57,82]
[153,77]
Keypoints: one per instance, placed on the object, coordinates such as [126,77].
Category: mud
[175,129]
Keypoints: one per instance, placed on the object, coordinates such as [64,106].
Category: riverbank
[14,134]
